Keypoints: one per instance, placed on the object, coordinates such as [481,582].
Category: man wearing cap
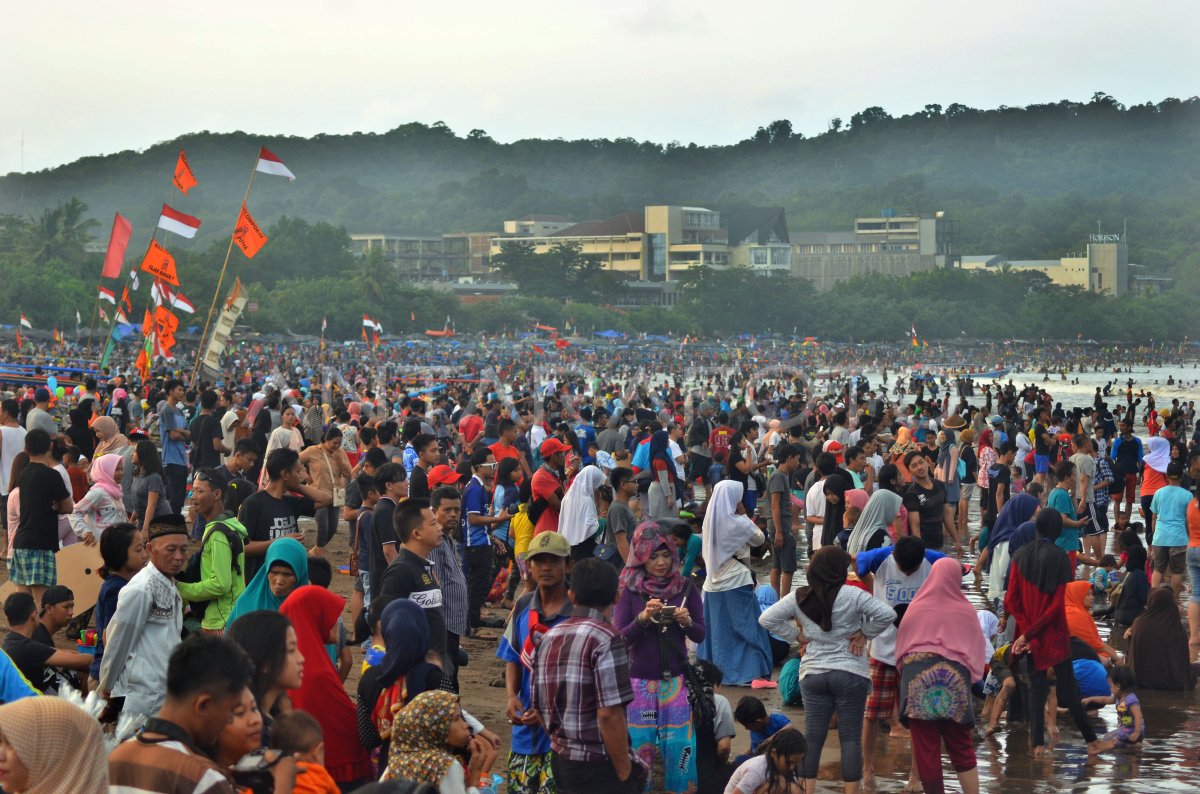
[535,613]
[147,624]
[39,417]
[547,485]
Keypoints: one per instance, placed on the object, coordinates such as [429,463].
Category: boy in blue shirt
[752,715]
[549,559]
[1060,500]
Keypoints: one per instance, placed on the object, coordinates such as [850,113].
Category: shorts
[529,774]
[1041,463]
[1000,671]
[966,492]
[783,559]
[358,583]
[1193,564]
[1172,559]
[1131,482]
[750,501]
[1097,521]
[885,687]
[34,567]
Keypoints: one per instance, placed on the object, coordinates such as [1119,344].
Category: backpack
[720,445]
[191,572]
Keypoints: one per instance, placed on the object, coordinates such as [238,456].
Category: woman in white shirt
[734,641]
[836,623]
[102,506]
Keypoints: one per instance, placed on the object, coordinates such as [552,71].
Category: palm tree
[374,276]
[60,233]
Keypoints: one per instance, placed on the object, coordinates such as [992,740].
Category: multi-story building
[665,241]
[536,225]
[886,245]
[419,256]
[1103,268]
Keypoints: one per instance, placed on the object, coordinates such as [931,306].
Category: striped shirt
[168,767]
[582,666]
[450,576]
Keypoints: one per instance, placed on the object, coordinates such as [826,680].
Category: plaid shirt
[581,666]
[1104,473]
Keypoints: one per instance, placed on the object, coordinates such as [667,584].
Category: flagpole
[221,277]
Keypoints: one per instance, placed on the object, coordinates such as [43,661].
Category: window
[759,257]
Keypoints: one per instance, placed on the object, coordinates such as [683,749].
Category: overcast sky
[97,78]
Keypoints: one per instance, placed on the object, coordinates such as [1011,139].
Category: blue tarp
[610,334]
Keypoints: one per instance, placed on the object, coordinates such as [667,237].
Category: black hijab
[826,575]
[1158,646]
[1041,563]
[835,484]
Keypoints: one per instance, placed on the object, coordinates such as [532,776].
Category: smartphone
[667,613]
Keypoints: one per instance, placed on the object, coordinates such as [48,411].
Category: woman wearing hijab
[284,569]
[880,513]
[656,610]
[314,612]
[836,487]
[59,748]
[1078,599]
[403,674]
[835,624]
[428,732]
[1035,599]
[1016,511]
[660,500]
[1154,477]
[1158,645]
[118,410]
[579,517]
[733,640]
[109,440]
[940,652]
[102,505]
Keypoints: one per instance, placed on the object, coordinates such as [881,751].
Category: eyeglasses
[487,465]
[204,475]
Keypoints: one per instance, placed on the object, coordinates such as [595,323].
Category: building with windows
[887,245]
[420,257]
[662,242]
[536,225]
[1103,268]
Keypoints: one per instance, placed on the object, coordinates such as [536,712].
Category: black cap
[58,594]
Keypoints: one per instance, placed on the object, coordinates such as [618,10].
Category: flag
[25,322]
[364,334]
[78,319]
[20,341]
[247,235]
[133,280]
[324,322]
[375,339]
[368,322]
[103,316]
[57,337]
[125,302]
[178,223]
[412,316]
[159,262]
[162,296]
[108,295]
[143,360]
[538,349]
[117,242]
[147,323]
[560,343]
[184,179]
[122,318]
[270,164]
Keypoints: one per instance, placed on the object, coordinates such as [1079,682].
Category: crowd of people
[643,549]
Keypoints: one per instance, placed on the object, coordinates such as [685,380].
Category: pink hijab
[941,621]
[103,469]
[857,498]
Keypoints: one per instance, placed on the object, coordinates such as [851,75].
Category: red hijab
[314,612]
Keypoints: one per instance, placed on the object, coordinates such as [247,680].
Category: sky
[98,78]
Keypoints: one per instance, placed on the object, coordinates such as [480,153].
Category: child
[1105,577]
[298,733]
[775,770]
[1018,479]
[1132,727]
[752,715]
[76,466]
[998,688]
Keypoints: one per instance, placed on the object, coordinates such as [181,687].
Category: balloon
[52,382]
[60,392]
[78,390]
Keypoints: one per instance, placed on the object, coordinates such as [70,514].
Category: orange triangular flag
[184,179]
[147,323]
[165,323]
[247,235]
[159,262]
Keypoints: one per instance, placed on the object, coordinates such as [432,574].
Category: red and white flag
[163,296]
[323,323]
[178,223]
[268,163]
[108,295]
[122,318]
[25,322]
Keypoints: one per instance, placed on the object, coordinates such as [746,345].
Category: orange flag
[184,179]
[147,323]
[247,235]
[159,262]
[165,323]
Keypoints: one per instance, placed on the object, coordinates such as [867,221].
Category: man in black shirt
[44,497]
[207,440]
[999,488]
[274,512]
[428,455]
[384,545]
[30,642]
[410,575]
[929,517]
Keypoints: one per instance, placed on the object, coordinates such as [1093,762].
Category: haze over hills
[1025,182]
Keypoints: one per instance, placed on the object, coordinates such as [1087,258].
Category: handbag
[606,548]
[339,494]
[699,689]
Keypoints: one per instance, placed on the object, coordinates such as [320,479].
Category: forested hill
[1025,182]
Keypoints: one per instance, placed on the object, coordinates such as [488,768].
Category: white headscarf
[724,531]
[882,508]
[1158,455]
[577,518]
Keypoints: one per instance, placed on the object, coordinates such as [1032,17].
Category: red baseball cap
[552,446]
[835,448]
[442,475]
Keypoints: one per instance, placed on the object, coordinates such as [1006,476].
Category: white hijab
[577,518]
[724,531]
[881,510]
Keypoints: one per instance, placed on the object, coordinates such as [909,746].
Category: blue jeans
[1193,566]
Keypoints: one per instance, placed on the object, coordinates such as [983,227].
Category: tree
[867,117]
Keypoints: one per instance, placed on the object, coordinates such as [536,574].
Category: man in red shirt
[469,428]
[506,447]
[547,485]
[719,438]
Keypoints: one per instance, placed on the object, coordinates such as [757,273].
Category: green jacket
[219,583]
